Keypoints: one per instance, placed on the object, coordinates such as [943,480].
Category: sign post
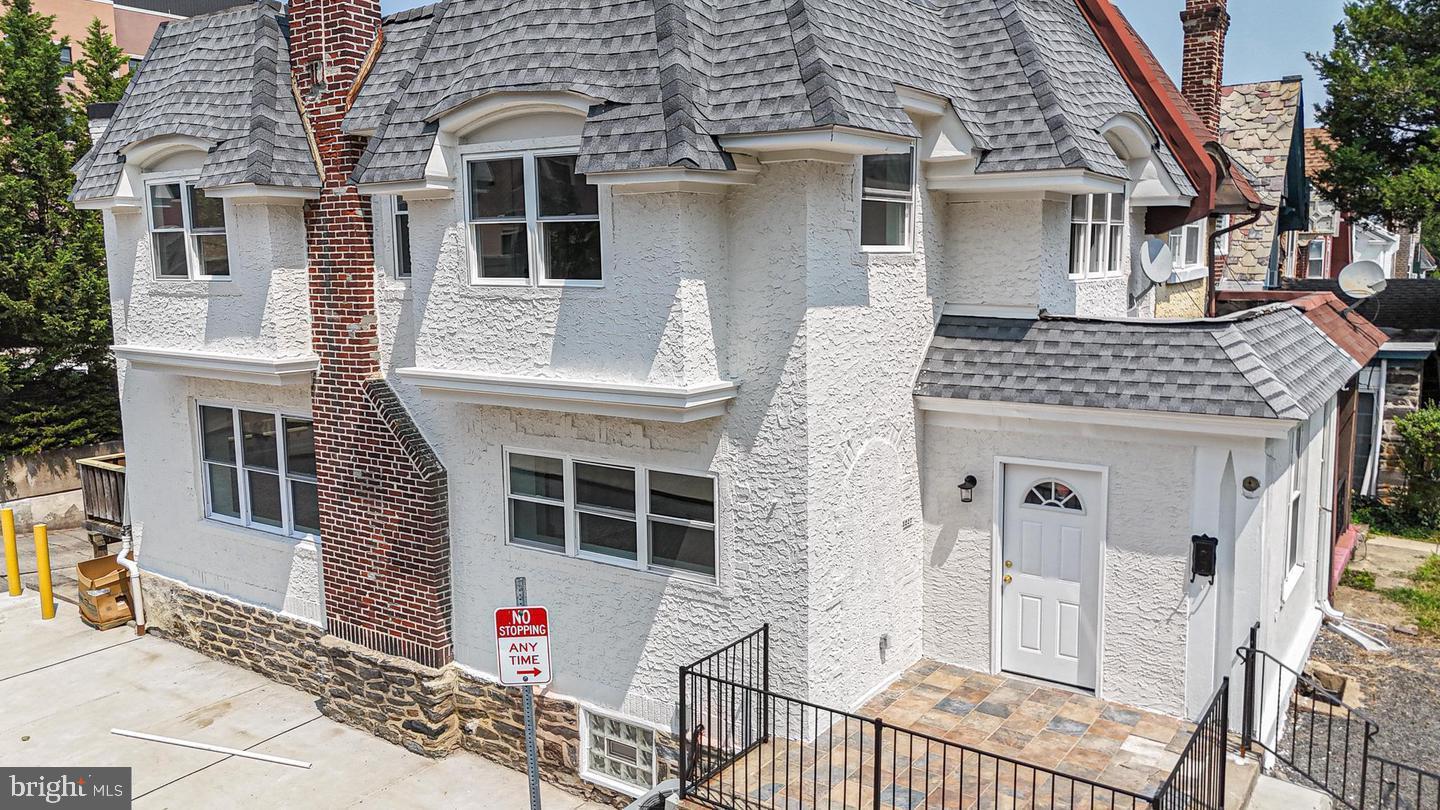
[522,644]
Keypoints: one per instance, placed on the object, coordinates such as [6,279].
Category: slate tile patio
[1025,744]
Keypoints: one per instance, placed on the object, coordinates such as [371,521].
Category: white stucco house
[710,325]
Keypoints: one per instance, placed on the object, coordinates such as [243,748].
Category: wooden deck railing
[102,483]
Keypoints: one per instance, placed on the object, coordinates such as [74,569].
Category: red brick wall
[1206,22]
[384,524]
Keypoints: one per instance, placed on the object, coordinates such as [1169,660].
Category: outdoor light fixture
[967,489]
[1203,549]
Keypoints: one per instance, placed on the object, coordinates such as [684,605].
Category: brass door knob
[1007,579]
[1009,564]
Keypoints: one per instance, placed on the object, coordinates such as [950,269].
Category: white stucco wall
[167,504]
[262,310]
[1146,541]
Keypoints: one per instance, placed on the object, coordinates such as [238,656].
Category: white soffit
[659,403]
[218,365]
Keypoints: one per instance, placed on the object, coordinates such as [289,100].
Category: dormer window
[187,231]
[1097,235]
[887,202]
[532,220]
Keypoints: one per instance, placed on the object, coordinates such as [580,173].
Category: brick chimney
[1205,22]
[384,520]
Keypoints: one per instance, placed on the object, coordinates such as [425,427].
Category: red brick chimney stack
[384,520]
[1206,23]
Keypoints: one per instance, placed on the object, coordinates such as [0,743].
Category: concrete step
[1276,794]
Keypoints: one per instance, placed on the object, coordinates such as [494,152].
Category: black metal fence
[745,747]
[1313,735]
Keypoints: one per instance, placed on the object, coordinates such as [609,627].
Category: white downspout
[129,551]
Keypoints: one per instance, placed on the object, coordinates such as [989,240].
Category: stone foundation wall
[431,712]
[1404,381]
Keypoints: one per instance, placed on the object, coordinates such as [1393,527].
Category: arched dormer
[1135,141]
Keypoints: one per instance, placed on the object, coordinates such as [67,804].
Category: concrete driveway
[63,687]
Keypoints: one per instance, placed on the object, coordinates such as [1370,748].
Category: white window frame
[1295,515]
[880,195]
[242,481]
[1222,244]
[1180,241]
[1112,266]
[642,515]
[605,780]
[1310,271]
[193,264]
[538,272]
[399,255]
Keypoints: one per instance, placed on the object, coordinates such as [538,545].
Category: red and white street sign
[522,643]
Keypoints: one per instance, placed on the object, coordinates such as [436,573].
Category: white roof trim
[645,181]
[1247,426]
[255,193]
[219,365]
[834,140]
[963,180]
[659,403]
[991,311]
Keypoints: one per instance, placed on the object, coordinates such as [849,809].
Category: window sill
[884,250]
[1292,579]
[1095,279]
[616,785]
[1185,274]
[263,537]
[194,288]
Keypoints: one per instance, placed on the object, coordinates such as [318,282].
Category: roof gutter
[1111,29]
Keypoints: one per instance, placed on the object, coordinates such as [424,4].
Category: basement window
[187,232]
[618,754]
[259,470]
[650,520]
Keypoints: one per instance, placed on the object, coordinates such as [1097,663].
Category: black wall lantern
[967,489]
[1203,550]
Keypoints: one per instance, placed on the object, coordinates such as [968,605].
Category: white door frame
[997,554]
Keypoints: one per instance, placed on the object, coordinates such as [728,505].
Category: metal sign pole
[532,760]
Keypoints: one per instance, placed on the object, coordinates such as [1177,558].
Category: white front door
[1050,573]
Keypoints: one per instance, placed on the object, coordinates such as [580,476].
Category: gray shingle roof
[1028,77]
[1272,362]
[222,77]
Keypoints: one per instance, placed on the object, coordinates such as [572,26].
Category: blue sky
[1268,38]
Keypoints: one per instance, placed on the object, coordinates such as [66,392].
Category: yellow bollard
[42,568]
[12,554]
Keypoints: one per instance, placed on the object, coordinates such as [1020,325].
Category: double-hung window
[1297,498]
[187,231]
[1185,244]
[1222,244]
[1097,235]
[1315,259]
[887,201]
[259,470]
[625,515]
[532,220]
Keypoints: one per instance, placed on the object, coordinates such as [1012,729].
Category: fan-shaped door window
[1054,495]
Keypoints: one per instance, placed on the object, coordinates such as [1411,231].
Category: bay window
[887,201]
[1097,235]
[259,470]
[532,220]
[625,515]
[187,231]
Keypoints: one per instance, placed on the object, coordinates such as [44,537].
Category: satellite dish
[1157,260]
[1362,279]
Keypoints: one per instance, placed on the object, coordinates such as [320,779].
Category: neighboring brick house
[696,321]
[1402,378]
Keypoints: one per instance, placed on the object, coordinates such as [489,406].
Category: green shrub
[1419,446]
[1360,580]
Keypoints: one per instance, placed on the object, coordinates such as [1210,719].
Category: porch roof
[1281,361]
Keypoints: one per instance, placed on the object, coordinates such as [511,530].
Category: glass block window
[619,751]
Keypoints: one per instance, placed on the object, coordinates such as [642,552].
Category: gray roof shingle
[1272,362]
[1029,78]
[224,78]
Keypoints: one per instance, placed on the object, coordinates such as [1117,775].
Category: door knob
[1007,579]
[1009,564]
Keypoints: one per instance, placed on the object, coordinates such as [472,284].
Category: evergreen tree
[57,379]
[1384,110]
[100,66]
